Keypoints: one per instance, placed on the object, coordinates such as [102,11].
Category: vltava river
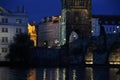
[72,73]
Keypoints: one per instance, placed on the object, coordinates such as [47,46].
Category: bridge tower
[76,16]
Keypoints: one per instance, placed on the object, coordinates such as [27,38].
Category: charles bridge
[94,50]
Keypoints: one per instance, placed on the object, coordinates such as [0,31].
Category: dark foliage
[20,50]
[115,46]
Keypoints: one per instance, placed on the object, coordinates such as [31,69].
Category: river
[56,73]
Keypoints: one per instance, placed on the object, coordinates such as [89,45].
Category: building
[111,24]
[49,32]
[109,27]
[11,23]
[32,33]
[95,27]
[76,19]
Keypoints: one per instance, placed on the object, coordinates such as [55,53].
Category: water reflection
[114,74]
[17,73]
[31,75]
[4,73]
[75,73]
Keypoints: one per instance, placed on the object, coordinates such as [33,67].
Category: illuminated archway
[114,56]
[89,53]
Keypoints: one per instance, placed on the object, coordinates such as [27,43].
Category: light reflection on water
[75,73]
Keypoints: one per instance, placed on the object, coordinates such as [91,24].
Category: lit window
[18,21]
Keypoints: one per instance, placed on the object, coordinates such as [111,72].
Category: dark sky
[40,8]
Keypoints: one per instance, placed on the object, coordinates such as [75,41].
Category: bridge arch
[114,53]
[89,55]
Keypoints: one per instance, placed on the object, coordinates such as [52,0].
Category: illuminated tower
[76,16]
[32,33]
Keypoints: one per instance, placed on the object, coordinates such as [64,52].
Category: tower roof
[5,11]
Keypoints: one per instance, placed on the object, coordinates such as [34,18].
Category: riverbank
[19,64]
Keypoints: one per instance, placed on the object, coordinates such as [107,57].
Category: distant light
[74,35]
[114,31]
[49,46]
[92,31]
[64,39]
[59,16]
[58,44]
[44,43]
[63,22]
[118,26]
[56,41]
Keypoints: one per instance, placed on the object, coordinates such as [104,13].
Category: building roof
[108,19]
[53,19]
[5,12]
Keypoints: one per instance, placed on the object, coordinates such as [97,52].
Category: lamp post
[118,30]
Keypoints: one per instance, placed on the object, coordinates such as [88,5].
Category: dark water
[72,73]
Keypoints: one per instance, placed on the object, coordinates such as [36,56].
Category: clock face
[73,36]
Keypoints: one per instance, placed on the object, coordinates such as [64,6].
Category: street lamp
[114,31]
[118,30]
[118,26]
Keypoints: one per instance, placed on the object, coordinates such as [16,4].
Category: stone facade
[11,23]
[49,32]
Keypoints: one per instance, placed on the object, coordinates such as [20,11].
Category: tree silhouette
[19,51]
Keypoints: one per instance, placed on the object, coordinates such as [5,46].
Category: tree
[19,51]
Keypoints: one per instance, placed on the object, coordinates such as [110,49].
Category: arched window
[73,36]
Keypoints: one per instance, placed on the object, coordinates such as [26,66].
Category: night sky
[38,9]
